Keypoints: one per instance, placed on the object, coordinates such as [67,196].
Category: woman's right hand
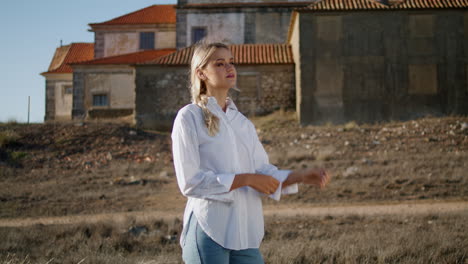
[263,183]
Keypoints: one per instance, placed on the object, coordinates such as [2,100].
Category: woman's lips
[230,76]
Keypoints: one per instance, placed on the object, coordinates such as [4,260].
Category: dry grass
[431,238]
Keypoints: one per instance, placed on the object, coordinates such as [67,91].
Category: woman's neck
[220,97]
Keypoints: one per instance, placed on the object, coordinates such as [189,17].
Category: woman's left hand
[317,177]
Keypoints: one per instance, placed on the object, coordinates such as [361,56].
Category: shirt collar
[213,104]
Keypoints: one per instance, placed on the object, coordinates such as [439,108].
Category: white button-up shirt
[206,166]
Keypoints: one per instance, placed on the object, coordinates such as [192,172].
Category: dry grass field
[74,193]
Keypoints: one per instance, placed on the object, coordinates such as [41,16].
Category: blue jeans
[199,248]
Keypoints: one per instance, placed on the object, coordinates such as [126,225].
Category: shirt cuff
[281,176]
[226,179]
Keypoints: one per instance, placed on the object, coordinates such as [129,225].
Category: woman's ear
[201,75]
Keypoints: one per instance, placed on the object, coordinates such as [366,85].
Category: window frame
[100,95]
[143,40]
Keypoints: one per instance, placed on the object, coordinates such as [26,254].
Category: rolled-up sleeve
[192,181]
[263,166]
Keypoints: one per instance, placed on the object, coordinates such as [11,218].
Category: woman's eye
[232,63]
[220,64]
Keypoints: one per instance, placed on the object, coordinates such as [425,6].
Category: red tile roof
[130,58]
[326,5]
[243,54]
[432,4]
[237,4]
[73,53]
[155,14]
[339,5]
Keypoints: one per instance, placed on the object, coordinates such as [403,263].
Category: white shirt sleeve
[263,166]
[194,182]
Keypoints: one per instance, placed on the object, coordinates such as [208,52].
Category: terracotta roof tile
[243,54]
[234,4]
[155,14]
[73,53]
[130,58]
[340,5]
[431,4]
[326,5]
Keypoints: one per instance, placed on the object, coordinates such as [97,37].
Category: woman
[223,169]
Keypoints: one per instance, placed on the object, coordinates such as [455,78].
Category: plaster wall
[63,100]
[165,40]
[225,27]
[120,43]
[119,87]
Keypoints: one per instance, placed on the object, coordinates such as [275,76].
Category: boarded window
[421,26]
[423,79]
[198,33]
[329,77]
[146,40]
[100,100]
[247,85]
[329,28]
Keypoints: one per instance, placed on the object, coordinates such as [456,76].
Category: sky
[31,31]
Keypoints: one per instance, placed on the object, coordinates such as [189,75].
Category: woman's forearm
[293,177]
[240,180]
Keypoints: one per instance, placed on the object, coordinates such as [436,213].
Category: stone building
[234,22]
[99,80]
[265,83]
[104,88]
[59,80]
[367,61]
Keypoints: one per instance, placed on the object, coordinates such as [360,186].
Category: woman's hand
[317,177]
[263,183]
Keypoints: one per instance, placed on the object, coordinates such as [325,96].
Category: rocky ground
[86,168]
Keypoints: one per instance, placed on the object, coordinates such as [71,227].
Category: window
[100,100]
[198,33]
[67,89]
[146,40]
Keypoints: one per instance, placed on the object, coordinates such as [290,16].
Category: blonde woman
[223,169]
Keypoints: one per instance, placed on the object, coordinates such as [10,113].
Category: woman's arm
[317,177]
[263,183]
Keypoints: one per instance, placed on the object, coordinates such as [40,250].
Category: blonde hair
[201,56]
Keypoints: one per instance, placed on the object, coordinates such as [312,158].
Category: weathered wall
[63,100]
[234,25]
[57,105]
[127,40]
[357,71]
[120,43]
[49,100]
[226,27]
[162,91]
[116,82]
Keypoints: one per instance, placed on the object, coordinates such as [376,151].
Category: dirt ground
[107,193]
[89,168]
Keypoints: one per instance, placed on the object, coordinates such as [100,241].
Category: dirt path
[284,210]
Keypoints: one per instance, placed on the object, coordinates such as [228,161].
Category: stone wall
[50,100]
[381,65]
[162,90]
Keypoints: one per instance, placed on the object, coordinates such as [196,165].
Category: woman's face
[219,72]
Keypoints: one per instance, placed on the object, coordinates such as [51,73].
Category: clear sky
[31,31]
